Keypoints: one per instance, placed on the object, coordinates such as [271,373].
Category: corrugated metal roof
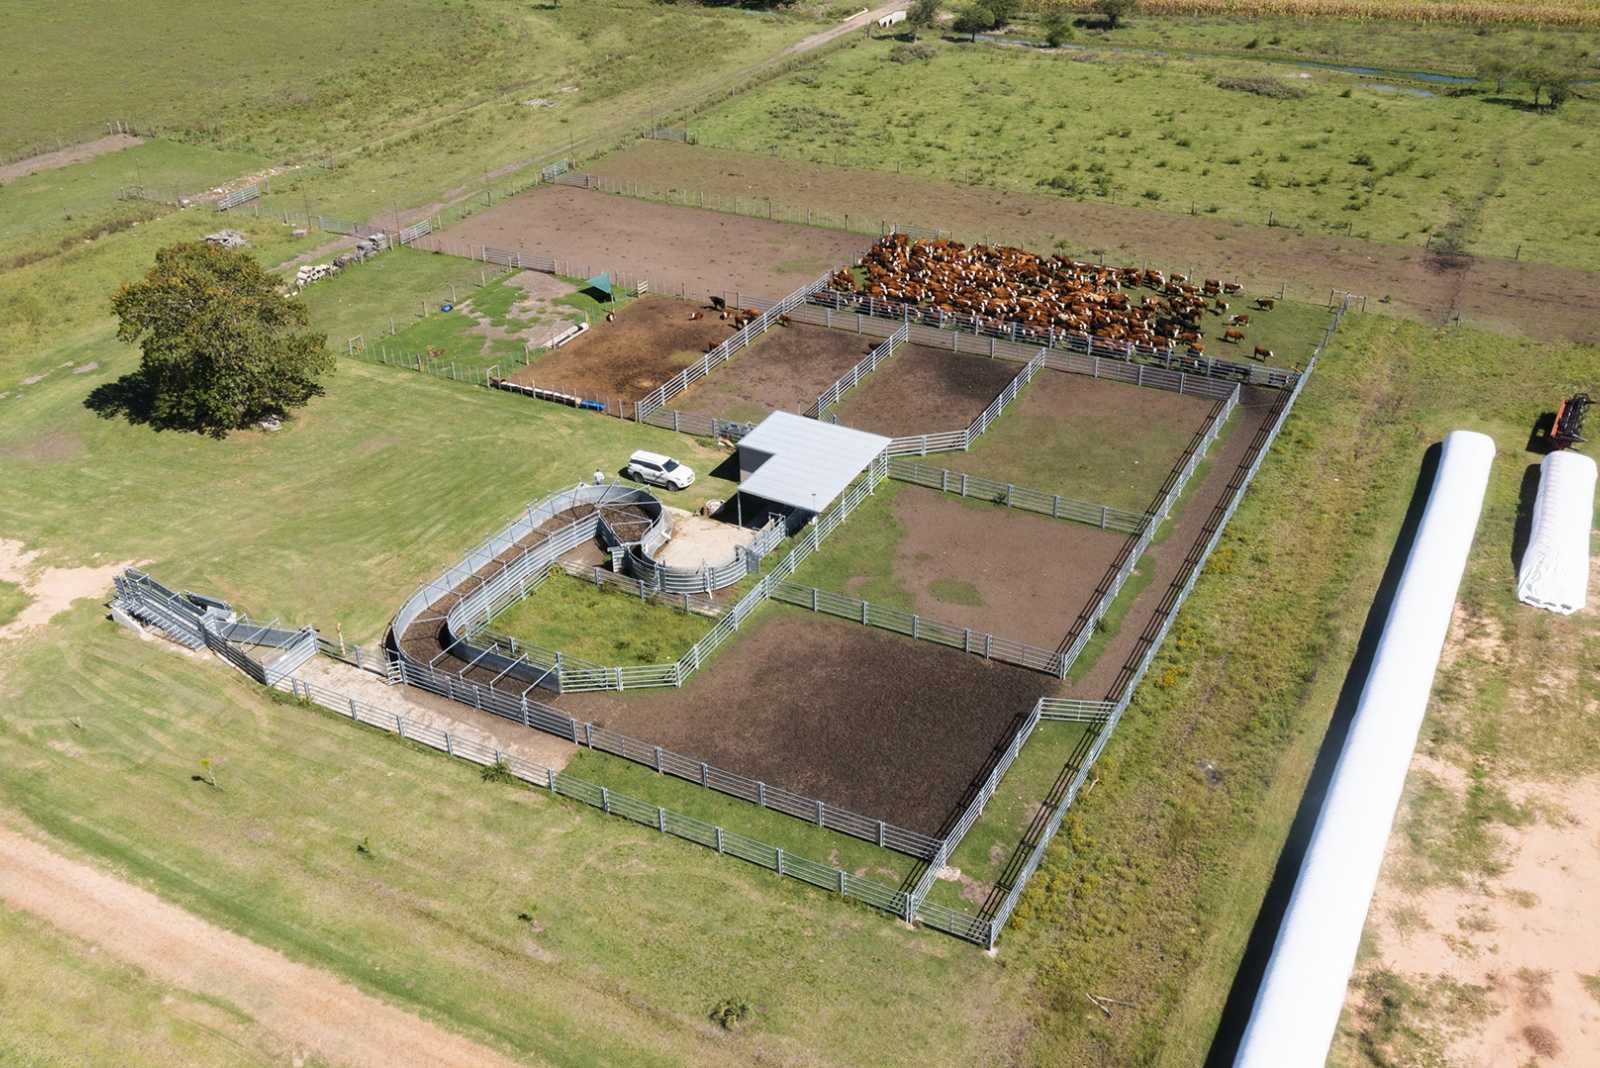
[811,462]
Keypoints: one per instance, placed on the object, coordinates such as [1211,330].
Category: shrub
[729,1013]
[1273,88]
[911,53]
[499,771]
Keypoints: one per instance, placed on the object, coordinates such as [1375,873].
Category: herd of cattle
[1000,285]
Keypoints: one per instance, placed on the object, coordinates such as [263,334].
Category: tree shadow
[1517,104]
[1264,935]
[131,397]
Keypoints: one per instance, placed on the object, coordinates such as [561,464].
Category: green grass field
[50,211]
[604,626]
[543,927]
[67,1003]
[1342,157]
[1428,46]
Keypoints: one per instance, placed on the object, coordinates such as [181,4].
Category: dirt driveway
[1539,300]
[308,1009]
[64,157]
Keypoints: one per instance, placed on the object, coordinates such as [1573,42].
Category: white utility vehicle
[660,470]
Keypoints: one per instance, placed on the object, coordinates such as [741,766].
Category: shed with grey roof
[803,463]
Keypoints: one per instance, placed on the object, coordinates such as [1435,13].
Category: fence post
[661,819]
[880,834]
[779,851]
[819,813]
[605,800]
[550,778]
[719,839]
[1104,514]
[761,794]
[448,748]
[658,760]
[705,774]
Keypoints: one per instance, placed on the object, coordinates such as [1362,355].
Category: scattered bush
[499,771]
[915,52]
[729,1013]
[1273,88]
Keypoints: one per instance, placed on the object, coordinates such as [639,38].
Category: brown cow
[1265,303]
[1235,336]
[1263,353]
[1238,320]
[1232,287]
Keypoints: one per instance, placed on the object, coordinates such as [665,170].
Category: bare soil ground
[651,340]
[50,590]
[784,371]
[924,390]
[49,161]
[1539,300]
[888,727]
[1012,574]
[419,706]
[1088,438]
[699,540]
[307,1009]
[668,245]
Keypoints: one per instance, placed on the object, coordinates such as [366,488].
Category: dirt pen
[784,371]
[923,390]
[882,725]
[651,340]
[665,244]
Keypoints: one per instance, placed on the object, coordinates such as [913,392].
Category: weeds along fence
[712,836]
[1051,338]
[1128,560]
[852,378]
[198,622]
[915,626]
[961,440]
[651,403]
[1012,496]
[1216,525]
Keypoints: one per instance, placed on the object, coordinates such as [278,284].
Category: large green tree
[223,346]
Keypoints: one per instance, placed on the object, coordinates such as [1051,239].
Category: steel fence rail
[1218,527]
[915,626]
[1013,496]
[1091,361]
[1087,344]
[561,784]
[851,378]
[659,397]
[1152,525]
[961,440]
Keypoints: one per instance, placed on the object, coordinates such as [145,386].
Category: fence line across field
[667,821]
[912,625]
[1218,526]
[961,484]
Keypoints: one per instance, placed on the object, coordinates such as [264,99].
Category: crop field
[1326,152]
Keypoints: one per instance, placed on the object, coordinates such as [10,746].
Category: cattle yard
[887,655]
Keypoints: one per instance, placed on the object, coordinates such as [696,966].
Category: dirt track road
[61,157]
[306,1008]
